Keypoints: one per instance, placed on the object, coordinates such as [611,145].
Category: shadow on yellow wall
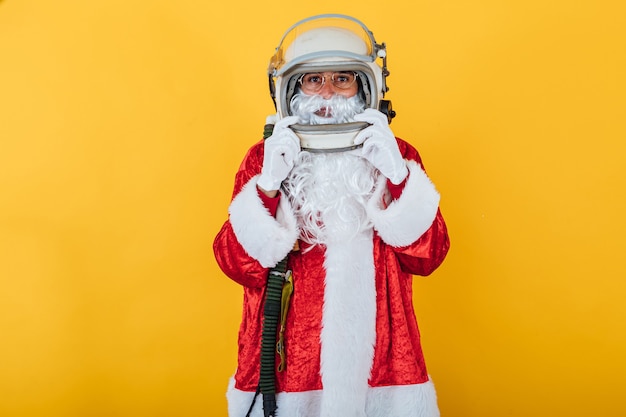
[122,124]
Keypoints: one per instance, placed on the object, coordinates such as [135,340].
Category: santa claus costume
[351,336]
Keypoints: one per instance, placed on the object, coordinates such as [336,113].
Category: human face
[327,84]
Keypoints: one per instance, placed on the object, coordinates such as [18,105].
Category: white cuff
[404,220]
[263,237]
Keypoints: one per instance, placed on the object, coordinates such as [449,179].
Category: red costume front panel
[398,358]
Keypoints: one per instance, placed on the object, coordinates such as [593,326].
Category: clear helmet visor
[321,38]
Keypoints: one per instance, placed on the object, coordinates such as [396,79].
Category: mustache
[317,110]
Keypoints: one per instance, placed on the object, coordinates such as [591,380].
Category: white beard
[337,109]
[329,193]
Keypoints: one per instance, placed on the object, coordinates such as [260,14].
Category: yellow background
[122,123]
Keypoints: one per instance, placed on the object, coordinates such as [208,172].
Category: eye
[343,77]
[313,78]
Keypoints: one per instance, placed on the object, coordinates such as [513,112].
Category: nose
[328,90]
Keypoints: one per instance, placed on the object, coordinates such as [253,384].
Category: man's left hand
[380,147]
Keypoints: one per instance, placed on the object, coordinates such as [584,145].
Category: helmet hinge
[381,52]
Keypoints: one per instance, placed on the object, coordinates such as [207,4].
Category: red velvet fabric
[396,189]
[271,203]
[398,358]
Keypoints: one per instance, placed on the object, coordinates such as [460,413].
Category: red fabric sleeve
[428,252]
[270,203]
[229,254]
[396,189]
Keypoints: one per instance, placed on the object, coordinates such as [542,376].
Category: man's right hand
[281,150]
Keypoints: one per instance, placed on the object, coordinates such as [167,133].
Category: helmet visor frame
[281,61]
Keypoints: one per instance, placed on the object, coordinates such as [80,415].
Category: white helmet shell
[327,42]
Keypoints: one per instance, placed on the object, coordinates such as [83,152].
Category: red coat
[351,327]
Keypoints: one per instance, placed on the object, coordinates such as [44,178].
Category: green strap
[273,295]
[271,317]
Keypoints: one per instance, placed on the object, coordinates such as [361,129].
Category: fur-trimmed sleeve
[404,220]
[263,237]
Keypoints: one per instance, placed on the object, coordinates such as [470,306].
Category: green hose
[271,318]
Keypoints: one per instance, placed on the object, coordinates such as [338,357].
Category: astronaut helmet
[329,43]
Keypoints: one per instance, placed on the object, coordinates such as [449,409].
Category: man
[355,220]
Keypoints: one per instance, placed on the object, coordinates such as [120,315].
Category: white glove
[380,146]
[281,150]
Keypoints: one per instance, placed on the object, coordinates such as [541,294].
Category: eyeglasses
[314,81]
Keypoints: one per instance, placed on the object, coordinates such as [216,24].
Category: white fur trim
[419,400]
[265,238]
[410,216]
[348,331]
